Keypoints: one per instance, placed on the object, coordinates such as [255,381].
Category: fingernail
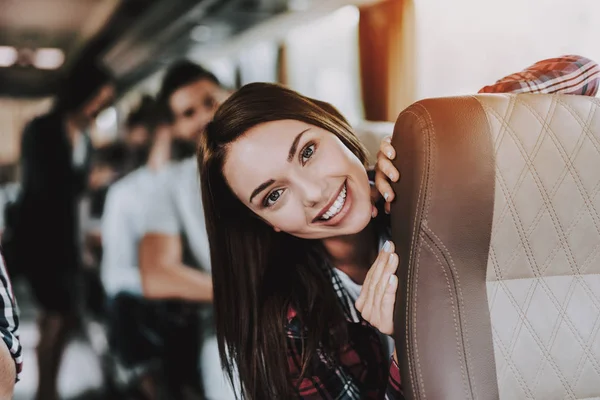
[391,175]
[387,245]
[388,139]
[373,212]
[389,154]
[386,195]
[392,279]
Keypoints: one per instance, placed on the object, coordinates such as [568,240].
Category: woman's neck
[354,254]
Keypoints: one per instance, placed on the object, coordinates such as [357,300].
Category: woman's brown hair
[259,274]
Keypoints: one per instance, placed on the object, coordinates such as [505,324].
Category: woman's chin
[354,223]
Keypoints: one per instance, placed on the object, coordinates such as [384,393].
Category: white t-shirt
[123,226]
[176,207]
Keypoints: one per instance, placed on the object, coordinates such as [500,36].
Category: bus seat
[497,225]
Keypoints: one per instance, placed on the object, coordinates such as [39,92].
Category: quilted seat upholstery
[497,224]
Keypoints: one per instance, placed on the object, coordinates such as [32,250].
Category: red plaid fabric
[362,371]
[569,74]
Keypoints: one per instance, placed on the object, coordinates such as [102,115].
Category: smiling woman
[293,236]
[302,180]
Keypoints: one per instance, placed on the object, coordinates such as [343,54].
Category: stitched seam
[572,171]
[414,245]
[580,367]
[454,316]
[460,300]
[496,266]
[586,126]
[511,365]
[518,224]
[427,160]
[549,207]
[503,129]
[518,185]
[556,327]
[414,316]
[540,213]
[433,165]
[538,218]
[560,233]
[568,162]
[578,216]
[501,133]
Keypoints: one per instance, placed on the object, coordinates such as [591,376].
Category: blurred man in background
[174,254]
[55,162]
[135,326]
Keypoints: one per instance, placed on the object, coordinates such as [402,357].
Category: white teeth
[337,206]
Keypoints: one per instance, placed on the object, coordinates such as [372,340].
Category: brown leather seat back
[497,223]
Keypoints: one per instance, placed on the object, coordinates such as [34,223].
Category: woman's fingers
[379,290]
[385,147]
[386,172]
[363,293]
[385,295]
[383,186]
[387,306]
[386,166]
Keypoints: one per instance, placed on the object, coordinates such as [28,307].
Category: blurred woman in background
[55,159]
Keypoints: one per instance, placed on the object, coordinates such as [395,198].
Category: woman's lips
[337,219]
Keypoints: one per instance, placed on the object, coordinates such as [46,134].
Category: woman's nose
[313,192]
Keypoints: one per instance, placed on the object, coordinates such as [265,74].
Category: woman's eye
[273,197]
[307,153]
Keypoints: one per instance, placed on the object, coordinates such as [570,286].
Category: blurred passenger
[138,139]
[55,162]
[106,166]
[174,254]
[11,360]
[136,326]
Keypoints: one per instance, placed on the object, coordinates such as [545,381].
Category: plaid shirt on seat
[567,75]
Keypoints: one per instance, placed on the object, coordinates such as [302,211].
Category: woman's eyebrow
[294,146]
[260,188]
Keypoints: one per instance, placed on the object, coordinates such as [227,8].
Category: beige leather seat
[497,224]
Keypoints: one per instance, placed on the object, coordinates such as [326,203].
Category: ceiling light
[8,56]
[201,33]
[107,119]
[48,58]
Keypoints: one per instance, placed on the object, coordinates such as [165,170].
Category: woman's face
[300,179]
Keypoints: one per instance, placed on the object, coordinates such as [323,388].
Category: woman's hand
[378,294]
[385,172]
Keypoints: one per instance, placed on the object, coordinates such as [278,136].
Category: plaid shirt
[567,75]
[363,370]
[9,319]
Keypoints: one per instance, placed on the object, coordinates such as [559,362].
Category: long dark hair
[258,274]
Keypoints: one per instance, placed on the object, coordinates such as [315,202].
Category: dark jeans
[144,332]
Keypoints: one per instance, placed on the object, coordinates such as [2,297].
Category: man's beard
[137,156]
[182,149]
